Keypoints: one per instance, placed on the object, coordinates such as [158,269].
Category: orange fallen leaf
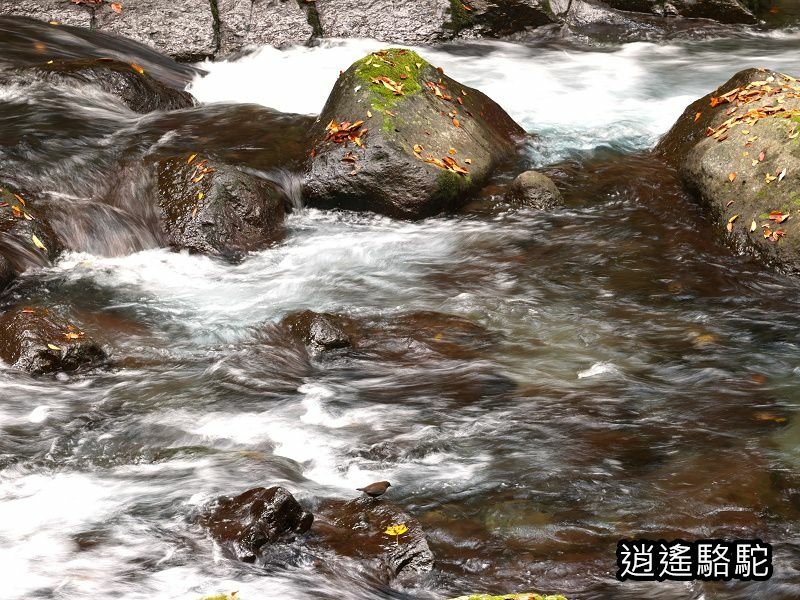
[731,177]
[456,122]
[452,151]
[778,216]
[418,148]
[697,117]
[137,68]
[116,7]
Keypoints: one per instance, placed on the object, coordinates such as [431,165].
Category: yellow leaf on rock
[398,529]
[38,243]
[53,347]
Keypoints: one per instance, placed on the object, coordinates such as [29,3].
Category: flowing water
[631,375]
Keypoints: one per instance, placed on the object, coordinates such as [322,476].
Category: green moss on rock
[394,63]
[459,17]
[451,186]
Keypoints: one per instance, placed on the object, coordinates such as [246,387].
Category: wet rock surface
[429,143]
[738,149]
[242,525]
[26,238]
[357,529]
[213,208]
[321,331]
[532,189]
[248,23]
[129,82]
[39,340]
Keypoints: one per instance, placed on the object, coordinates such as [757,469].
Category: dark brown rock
[22,225]
[37,340]
[723,11]
[130,83]
[321,331]
[242,525]
[213,208]
[357,529]
[385,174]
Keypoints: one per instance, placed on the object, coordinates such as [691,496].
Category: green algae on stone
[393,63]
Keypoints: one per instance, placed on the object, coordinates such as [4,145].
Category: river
[633,376]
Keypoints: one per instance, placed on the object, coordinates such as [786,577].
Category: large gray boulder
[251,23]
[399,137]
[739,149]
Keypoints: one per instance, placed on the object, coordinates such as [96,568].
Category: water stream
[633,376]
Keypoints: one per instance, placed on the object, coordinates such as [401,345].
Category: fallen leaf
[782,174]
[418,148]
[190,159]
[762,155]
[137,68]
[697,116]
[731,177]
[753,226]
[769,178]
[452,151]
[456,122]
[53,347]
[468,161]
[778,216]
[38,243]
[28,311]
[729,202]
[71,335]
[194,212]
[369,115]
[116,7]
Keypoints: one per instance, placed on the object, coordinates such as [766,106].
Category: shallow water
[633,377]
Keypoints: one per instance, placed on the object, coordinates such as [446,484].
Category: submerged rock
[357,529]
[129,82]
[429,141]
[213,208]
[26,238]
[321,331]
[738,148]
[242,525]
[532,189]
[37,340]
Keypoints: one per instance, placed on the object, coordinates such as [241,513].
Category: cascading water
[626,359]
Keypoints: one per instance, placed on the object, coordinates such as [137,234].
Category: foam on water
[576,100]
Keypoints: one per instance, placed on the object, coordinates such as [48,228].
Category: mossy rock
[523,596]
[748,167]
[429,141]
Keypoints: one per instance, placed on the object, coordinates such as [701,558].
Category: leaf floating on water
[53,347]
[731,177]
[38,243]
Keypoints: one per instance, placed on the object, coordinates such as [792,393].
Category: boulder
[739,149]
[420,22]
[523,596]
[357,529]
[722,11]
[532,189]
[37,340]
[400,138]
[184,30]
[248,23]
[128,82]
[500,18]
[26,238]
[213,208]
[320,331]
[242,525]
